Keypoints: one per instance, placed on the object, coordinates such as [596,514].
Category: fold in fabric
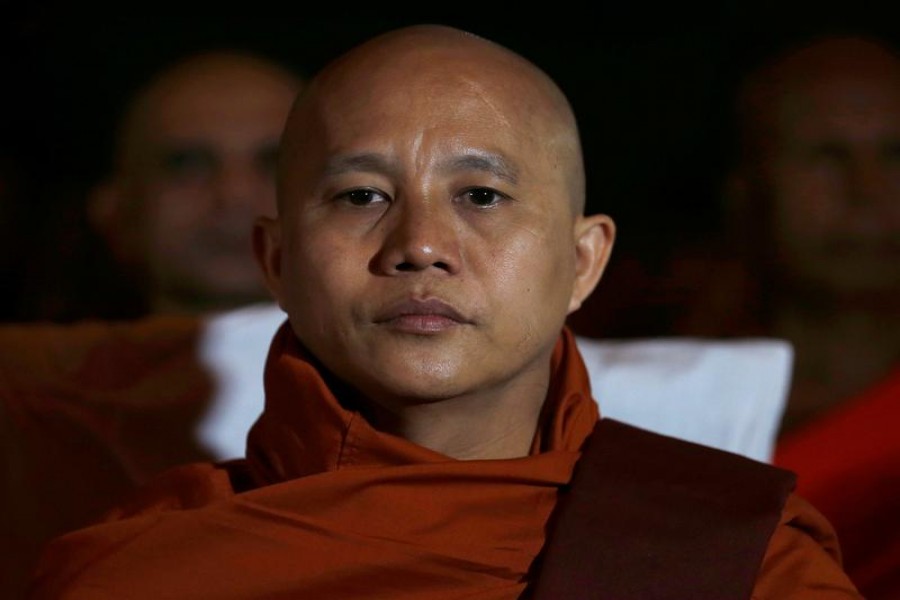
[335,509]
[848,462]
[325,506]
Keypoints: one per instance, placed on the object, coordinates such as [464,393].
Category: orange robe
[88,412]
[848,465]
[325,506]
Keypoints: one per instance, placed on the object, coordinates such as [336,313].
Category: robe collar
[304,428]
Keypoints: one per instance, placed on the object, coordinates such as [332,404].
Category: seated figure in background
[194,164]
[429,428]
[816,200]
[117,401]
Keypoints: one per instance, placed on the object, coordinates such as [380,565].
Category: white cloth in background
[726,394]
[233,347]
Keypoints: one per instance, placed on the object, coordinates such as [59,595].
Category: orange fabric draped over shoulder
[327,507]
[88,412]
[336,509]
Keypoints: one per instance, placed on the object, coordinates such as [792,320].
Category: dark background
[650,83]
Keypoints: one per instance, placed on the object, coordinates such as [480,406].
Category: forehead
[450,110]
[838,87]
[845,105]
[215,98]
[431,99]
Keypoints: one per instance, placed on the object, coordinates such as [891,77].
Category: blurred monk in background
[815,196]
[118,400]
[194,164]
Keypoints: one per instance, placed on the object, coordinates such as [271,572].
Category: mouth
[422,317]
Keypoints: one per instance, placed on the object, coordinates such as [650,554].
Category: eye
[267,159]
[362,197]
[191,162]
[830,152]
[483,197]
[891,151]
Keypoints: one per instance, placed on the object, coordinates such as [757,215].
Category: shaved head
[820,133]
[423,60]
[210,82]
[194,165]
[823,74]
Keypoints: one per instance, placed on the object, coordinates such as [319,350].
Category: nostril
[407,266]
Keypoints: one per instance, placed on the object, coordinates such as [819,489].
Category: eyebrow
[366,162]
[373,162]
[489,162]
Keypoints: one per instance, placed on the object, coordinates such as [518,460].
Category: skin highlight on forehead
[474,77]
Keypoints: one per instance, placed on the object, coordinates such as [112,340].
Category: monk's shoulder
[183,487]
[92,551]
[803,559]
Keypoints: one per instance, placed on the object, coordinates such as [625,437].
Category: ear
[594,237]
[267,250]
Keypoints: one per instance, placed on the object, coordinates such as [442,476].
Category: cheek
[179,208]
[531,270]
[807,203]
[265,203]
[262,198]
[321,276]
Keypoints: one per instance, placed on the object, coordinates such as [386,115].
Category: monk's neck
[488,425]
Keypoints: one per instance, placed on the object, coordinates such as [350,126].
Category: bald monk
[194,164]
[428,417]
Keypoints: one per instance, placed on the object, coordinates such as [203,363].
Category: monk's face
[834,172]
[199,167]
[426,247]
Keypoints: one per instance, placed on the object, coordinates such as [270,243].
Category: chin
[426,381]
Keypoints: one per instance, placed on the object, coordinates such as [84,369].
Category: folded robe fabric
[326,506]
[88,412]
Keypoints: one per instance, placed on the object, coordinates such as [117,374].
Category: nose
[418,235]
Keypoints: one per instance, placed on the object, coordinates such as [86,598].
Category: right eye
[183,163]
[362,197]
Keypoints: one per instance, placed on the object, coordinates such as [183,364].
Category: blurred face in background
[195,167]
[828,162]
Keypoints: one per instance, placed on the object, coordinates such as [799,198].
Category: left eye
[362,197]
[483,196]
